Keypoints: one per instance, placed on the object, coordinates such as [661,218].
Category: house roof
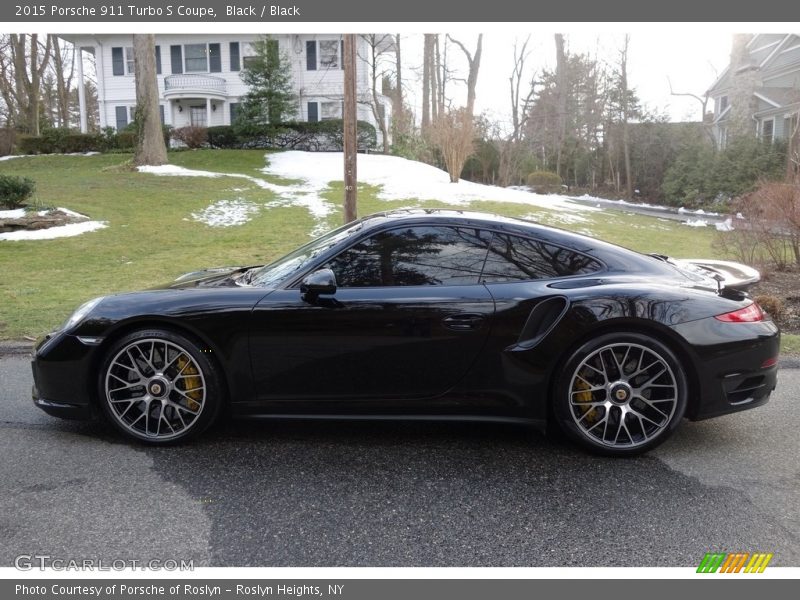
[779,96]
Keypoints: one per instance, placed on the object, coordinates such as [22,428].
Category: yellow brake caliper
[584,395]
[192,384]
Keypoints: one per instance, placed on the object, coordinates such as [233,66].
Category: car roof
[614,256]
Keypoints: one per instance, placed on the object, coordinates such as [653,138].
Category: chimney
[744,79]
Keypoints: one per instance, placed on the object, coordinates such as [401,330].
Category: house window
[196,58]
[722,137]
[329,54]
[330,110]
[198,116]
[129,67]
[723,104]
[767,131]
[324,54]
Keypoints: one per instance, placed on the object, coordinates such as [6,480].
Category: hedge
[65,141]
[295,135]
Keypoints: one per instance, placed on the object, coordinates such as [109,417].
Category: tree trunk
[150,148]
[397,109]
[426,82]
[623,66]
[561,99]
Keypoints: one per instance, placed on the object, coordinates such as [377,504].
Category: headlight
[83,310]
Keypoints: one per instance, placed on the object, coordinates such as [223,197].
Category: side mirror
[317,283]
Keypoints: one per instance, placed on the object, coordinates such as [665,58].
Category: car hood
[216,277]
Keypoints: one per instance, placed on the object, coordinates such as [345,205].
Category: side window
[413,256]
[513,258]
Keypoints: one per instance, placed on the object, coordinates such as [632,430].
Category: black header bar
[419,11]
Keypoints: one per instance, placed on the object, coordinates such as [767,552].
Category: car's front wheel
[621,394]
[158,386]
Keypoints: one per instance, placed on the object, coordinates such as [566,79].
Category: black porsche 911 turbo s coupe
[435,314]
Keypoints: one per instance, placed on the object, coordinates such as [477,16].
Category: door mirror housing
[315,284]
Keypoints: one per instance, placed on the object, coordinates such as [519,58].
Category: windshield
[296,261]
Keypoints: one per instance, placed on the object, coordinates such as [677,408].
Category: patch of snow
[10,156]
[681,210]
[176,171]
[72,213]
[16,213]
[562,217]
[696,223]
[226,213]
[401,179]
[69,230]
[726,225]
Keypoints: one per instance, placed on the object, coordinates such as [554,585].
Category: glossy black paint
[478,350]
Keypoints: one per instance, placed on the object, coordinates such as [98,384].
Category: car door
[407,321]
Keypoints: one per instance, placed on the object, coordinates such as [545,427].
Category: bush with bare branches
[769,236]
[452,134]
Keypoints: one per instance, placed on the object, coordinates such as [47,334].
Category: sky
[690,60]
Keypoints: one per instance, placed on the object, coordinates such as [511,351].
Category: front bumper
[62,380]
[735,367]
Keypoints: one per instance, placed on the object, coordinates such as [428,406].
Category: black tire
[587,403]
[170,350]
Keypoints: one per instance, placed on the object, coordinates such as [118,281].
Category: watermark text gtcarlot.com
[42,562]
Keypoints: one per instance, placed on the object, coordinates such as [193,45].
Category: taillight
[748,314]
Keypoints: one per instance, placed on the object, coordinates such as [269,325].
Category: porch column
[81,92]
[208,112]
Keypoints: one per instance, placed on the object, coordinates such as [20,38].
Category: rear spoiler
[729,275]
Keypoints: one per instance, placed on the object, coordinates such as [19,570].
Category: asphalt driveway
[256,493]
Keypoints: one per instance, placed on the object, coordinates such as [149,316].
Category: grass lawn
[152,238]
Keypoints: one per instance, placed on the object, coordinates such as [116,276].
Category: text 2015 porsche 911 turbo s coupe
[424,314]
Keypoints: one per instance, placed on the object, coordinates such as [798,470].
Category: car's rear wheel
[159,387]
[621,394]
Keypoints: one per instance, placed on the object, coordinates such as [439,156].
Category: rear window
[514,258]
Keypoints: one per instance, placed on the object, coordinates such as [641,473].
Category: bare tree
[561,100]
[452,133]
[378,46]
[703,101]
[510,151]
[623,78]
[29,60]
[64,71]
[474,62]
[427,76]
[150,147]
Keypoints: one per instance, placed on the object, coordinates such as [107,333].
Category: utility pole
[350,128]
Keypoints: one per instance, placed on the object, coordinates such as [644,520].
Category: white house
[199,77]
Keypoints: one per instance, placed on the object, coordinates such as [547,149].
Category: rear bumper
[735,368]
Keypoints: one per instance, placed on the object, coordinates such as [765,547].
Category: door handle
[463,321]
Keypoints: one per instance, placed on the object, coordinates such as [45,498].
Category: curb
[15,348]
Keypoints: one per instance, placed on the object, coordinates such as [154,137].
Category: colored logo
[734,562]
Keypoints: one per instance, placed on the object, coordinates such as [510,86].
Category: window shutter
[234,56]
[117,61]
[311,56]
[234,107]
[122,117]
[214,58]
[313,112]
[158,60]
[341,55]
[176,58]
[161,112]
